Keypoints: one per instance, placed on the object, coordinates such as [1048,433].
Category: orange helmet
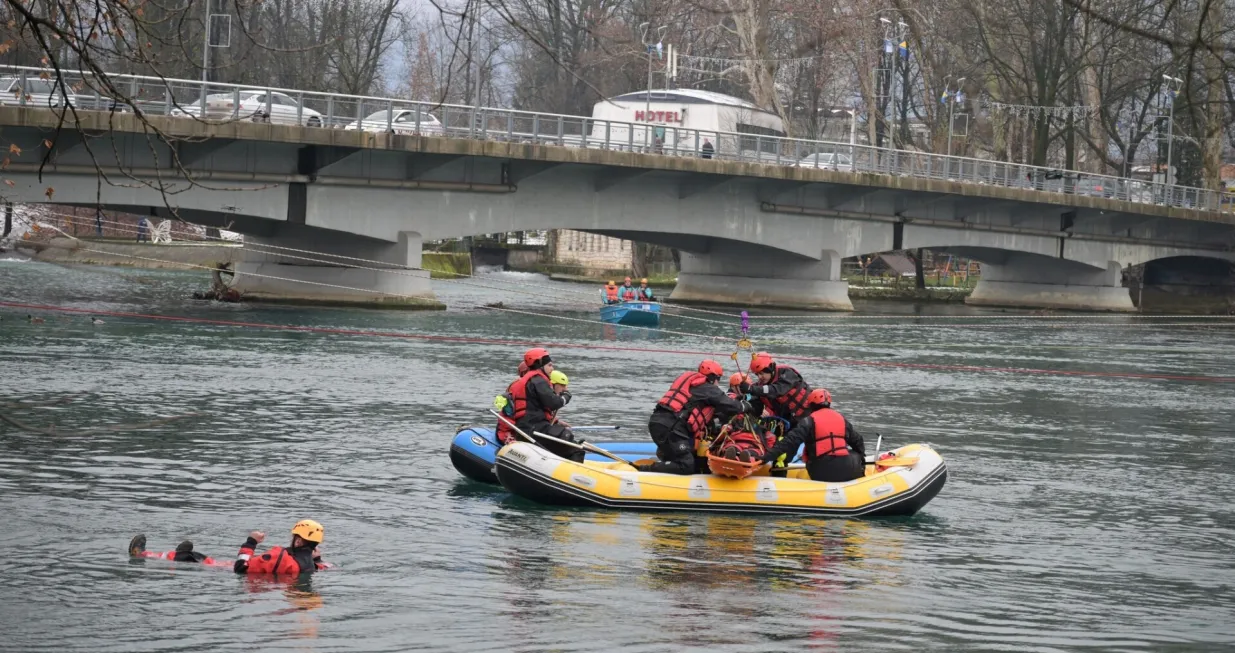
[735,379]
[762,362]
[819,397]
[535,357]
[522,369]
[643,281]
[710,367]
[627,279]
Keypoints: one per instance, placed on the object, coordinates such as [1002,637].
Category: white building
[680,120]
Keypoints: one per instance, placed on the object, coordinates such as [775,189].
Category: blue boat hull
[474,452]
[645,314]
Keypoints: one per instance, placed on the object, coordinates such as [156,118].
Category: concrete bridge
[751,233]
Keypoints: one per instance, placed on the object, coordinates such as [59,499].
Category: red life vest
[792,404]
[276,561]
[829,436]
[518,392]
[503,432]
[611,293]
[677,399]
[628,293]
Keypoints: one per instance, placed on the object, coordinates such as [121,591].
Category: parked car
[1099,187]
[828,161]
[283,109]
[401,121]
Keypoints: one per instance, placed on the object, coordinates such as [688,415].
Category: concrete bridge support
[730,273]
[1024,281]
[267,273]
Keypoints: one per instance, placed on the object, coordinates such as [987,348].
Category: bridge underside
[751,235]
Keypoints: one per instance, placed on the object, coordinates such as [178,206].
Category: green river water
[1082,512]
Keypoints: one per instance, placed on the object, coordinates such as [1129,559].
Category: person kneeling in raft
[834,451]
[301,557]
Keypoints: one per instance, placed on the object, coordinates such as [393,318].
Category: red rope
[687,352]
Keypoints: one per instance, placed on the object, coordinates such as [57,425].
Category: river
[1087,508]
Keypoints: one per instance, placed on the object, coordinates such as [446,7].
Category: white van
[680,121]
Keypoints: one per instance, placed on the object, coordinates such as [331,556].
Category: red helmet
[535,357]
[522,369]
[735,379]
[819,397]
[710,367]
[762,362]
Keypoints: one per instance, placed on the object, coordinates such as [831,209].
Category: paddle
[512,426]
[595,428]
[907,461]
[586,446]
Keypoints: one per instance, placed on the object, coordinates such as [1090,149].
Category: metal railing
[228,102]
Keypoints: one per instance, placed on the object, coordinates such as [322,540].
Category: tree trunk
[1215,103]
[639,259]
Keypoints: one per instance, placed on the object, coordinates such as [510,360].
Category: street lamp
[952,99]
[647,46]
[1173,85]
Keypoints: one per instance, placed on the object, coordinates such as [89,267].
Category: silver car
[400,121]
[258,105]
[828,161]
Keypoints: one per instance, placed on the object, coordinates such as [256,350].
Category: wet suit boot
[137,545]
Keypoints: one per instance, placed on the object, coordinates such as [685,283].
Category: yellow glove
[499,402]
[782,460]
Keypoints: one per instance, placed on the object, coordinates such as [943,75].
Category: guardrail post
[330,110]
[236,102]
[300,108]
[536,128]
[359,114]
[561,130]
[133,92]
[390,117]
[201,102]
[269,106]
[510,126]
[583,134]
[630,137]
[608,134]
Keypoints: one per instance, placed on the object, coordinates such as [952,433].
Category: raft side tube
[540,476]
[473,452]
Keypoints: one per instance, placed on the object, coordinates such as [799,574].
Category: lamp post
[947,89]
[647,105]
[1173,85]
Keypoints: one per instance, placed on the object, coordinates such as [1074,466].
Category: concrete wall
[593,251]
[172,257]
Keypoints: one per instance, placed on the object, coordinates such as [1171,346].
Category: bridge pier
[730,273]
[1033,281]
[326,273]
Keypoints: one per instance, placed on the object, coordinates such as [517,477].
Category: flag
[943,99]
[904,49]
[960,97]
[887,46]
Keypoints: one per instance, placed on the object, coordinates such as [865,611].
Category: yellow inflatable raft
[533,473]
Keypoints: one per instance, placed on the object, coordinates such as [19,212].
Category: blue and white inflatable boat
[474,452]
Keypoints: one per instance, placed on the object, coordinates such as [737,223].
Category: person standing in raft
[536,405]
[680,419]
[834,451]
[645,291]
[627,292]
[610,292]
[781,389]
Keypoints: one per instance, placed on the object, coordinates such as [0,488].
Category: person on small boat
[536,405]
[505,405]
[610,292]
[834,451]
[680,420]
[743,439]
[628,292]
[645,291]
[781,389]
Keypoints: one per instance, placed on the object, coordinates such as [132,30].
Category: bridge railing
[216,102]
